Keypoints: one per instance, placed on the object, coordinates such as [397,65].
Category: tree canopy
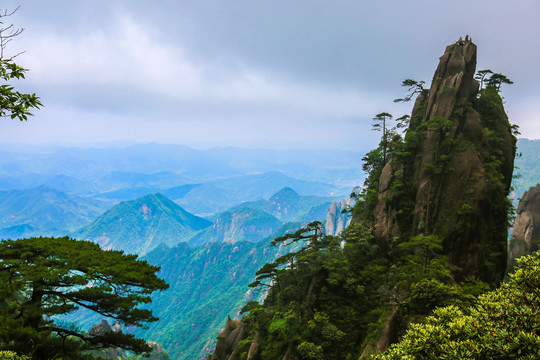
[502,324]
[44,278]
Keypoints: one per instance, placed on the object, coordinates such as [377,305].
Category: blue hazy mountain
[44,211]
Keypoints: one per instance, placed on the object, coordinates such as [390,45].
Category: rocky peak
[102,328]
[453,83]
[455,181]
[526,235]
[336,219]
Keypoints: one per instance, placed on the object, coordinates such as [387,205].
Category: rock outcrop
[526,235]
[116,353]
[336,219]
[228,339]
[454,181]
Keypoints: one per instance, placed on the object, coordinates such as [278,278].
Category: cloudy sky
[264,73]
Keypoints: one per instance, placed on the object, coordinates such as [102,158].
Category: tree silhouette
[379,124]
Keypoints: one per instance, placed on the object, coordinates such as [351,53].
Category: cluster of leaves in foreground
[13,104]
[502,324]
[43,278]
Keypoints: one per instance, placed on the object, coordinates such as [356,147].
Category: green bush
[503,324]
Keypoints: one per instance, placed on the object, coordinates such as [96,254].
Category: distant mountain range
[85,171]
[220,195]
[43,211]
[288,205]
[138,226]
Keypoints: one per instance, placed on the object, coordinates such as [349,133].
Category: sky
[252,73]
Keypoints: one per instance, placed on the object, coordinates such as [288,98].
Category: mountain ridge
[145,222]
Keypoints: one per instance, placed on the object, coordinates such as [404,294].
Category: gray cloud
[302,72]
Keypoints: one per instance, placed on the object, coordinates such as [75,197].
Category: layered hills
[43,211]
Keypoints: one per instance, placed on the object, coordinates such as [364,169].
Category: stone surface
[455,181]
[336,219]
[526,234]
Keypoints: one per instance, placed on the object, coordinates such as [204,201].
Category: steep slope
[207,284]
[140,225]
[244,224]
[456,179]
[43,211]
[526,234]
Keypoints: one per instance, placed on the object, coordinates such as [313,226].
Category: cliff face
[228,339]
[336,219]
[526,235]
[457,172]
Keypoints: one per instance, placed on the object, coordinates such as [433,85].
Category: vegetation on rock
[501,324]
[429,230]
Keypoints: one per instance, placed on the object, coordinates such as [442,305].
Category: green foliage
[43,278]
[137,226]
[492,80]
[413,87]
[502,324]
[310,351]
[13,104]
[299,315]
[10,355]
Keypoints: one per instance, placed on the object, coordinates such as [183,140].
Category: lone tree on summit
[13,104]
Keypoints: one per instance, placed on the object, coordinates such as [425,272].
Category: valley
[208,232]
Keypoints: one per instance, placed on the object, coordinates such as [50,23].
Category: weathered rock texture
[228,338]
[526,235]
[456,175]
[336,219]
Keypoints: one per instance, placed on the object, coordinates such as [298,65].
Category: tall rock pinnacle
[455,178]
